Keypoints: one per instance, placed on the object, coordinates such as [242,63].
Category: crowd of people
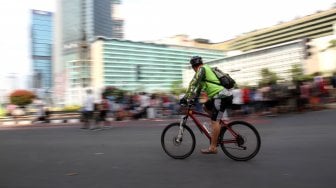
[144,105]
[129,106]
[272,99]
[269,99]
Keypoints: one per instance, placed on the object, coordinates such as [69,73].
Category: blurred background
[57,49]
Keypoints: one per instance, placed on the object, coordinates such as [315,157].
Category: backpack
[224,78]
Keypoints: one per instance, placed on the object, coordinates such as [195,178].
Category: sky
[216,20]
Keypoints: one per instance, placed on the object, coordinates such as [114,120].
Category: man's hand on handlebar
[185,102]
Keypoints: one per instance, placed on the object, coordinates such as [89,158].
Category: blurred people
[245,92]
[143,101]
[88,109]
[166,105]
[333,84]
[103,108]
[154,104]
[267,100]
[42,114]
[257,101]
[304,96]
[237,102]
[320,91]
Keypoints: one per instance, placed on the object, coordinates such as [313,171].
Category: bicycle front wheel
[176,143]
[240,141]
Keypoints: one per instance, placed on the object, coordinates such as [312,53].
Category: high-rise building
[133,66]
[317,25]
[78,23]
[41,49]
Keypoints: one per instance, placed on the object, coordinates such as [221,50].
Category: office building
[318,28]
[41,48]
[246,67]
[133,66]
[317,25]
[78,23]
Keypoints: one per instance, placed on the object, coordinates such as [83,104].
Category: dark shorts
[218,106]
[236,106]
[87,115]
[102,115]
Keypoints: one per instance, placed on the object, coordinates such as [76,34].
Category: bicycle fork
[181,129]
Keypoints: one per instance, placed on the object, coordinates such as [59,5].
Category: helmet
[196,60]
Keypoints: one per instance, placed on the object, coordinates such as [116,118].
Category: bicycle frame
[191,113]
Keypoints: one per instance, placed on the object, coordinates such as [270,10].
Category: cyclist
[218,97]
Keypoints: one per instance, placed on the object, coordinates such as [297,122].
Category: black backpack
[224,78]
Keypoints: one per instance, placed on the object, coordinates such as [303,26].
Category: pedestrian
[103,108]
[333,84]
[40,112]
[88,109]
[237,101]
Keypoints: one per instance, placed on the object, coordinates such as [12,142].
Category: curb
[30,122]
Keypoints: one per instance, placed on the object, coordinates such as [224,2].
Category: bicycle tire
[247,144]
[168,137]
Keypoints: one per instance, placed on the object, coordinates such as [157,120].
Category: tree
[332,45]
[21,97]
[177,87]
[297,73]
[268,77]
[113,91]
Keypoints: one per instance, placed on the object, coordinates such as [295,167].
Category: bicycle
[239,140]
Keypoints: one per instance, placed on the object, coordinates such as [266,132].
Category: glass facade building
[78,23]
[41,48]
[140,66]
[90,18]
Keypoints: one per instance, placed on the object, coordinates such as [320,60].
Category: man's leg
[208,108]
[214,135]
[218,109]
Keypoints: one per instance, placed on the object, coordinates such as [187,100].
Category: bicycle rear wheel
[240,141]
[175,147]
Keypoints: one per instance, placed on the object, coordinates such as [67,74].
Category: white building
[245,68]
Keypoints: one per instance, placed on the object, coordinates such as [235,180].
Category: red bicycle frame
[202,128]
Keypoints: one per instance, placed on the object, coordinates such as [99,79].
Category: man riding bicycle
[218,97]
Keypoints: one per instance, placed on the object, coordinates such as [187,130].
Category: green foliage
[268,77]
[2,112]
[21,97]
[177,87]
[332,44]
[113,91]
[297,73]
[72,108]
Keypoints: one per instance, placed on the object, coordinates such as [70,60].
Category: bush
[21,97]
[72,108]
[2,112]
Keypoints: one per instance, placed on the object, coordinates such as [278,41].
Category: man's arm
[195,86]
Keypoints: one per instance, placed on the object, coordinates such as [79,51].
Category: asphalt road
[298,150]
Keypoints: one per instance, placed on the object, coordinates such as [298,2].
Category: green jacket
[198,83]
